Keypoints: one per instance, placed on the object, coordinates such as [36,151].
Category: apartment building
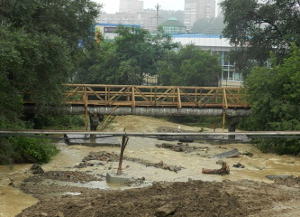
[197,9]
[131,6]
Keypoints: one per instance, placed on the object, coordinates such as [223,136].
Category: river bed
[13,201]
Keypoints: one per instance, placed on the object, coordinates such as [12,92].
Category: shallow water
[12,200]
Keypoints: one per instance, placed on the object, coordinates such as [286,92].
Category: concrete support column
[231,123]
[95,119]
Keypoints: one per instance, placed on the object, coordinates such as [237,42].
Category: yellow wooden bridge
[154,96]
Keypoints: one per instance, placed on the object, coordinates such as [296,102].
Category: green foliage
[63,122]
[278,145]
[99,65]
[258,27]
[213,26]
[26,150]
[40,45]
[133,54]
[189,66]
[274,97]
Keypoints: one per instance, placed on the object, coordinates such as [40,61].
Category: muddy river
[256,167]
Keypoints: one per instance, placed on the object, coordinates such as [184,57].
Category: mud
[79,189]
[192,198]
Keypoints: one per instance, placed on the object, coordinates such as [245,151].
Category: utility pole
[157,7]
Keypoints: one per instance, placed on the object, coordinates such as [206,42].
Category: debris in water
[224,170]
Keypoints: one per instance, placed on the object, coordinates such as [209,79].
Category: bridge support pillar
[231,123]
[95,119]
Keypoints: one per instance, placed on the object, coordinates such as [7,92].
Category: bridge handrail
[154,96]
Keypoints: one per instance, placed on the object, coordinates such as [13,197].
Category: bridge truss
[154,96]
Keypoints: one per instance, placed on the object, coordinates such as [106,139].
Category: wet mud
[73,184]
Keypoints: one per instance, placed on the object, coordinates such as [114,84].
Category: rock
[172,168]
[36,169]
[11,182]
[220,162]
[44,214]
[59,214]
[176,169]
[165,210]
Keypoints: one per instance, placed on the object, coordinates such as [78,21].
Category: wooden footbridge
[154,96]
[151,100]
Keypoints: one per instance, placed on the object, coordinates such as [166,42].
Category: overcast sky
[112,6]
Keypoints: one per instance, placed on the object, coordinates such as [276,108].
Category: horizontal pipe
[144,134]
[143,111]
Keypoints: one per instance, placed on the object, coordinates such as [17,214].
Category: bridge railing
[154,96]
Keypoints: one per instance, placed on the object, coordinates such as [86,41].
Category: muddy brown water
[13,201]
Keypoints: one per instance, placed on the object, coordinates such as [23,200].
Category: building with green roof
[173,26]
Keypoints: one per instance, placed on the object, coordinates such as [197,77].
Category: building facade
[197,9]
[131,6]
[173,26]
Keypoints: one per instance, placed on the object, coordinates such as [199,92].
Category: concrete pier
[114,179]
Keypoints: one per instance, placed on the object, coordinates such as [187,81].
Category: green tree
[274,97]
[201,26]
[99,65]
[40,43]
[133,54]
[142,48]
[189,66]
[258,27]
[44,36]
[212,26]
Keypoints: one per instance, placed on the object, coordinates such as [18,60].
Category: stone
[176,169]
[220,162]
[59,214]
[36,169]
[165,210]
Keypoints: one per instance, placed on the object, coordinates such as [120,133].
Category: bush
[58,122]
[26,150]
[278,145]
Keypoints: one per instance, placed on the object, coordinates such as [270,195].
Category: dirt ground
[62,193]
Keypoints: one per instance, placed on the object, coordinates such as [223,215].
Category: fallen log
[224,170]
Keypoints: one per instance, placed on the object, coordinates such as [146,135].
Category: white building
[131,6]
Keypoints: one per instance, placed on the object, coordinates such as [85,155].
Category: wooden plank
[178,99]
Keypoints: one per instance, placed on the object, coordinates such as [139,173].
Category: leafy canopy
[41,42]
[258,27]
[132,55]
[213,26]
[274,95]
[189,66]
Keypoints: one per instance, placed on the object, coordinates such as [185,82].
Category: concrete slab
[233,153]
[272,177]
[112,178]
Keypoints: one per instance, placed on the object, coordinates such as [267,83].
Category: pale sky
[112,6]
